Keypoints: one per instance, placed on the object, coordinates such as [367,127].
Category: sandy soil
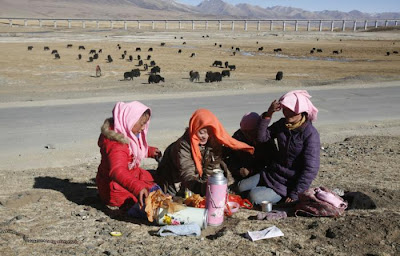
[62,203]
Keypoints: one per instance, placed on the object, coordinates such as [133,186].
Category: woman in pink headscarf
[296,163]
[123,145]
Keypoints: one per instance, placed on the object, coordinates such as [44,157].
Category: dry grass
[29,75]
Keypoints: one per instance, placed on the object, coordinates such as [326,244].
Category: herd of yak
[154,72]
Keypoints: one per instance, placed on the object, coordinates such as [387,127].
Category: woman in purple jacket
[296,163]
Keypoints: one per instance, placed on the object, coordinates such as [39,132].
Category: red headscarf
[203,118]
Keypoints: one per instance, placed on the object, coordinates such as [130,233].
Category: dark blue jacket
[297,162]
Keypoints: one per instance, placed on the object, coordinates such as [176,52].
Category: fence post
[320,25]
[25,22]
[245,25]
[219,25]
[395,23]
[111,24]
[10,22]
[192,24]
[40,23]
[332,25]
[344,25]
[233,25]
[284,25]
[355,26]
[308,25]
[152,24]
[271,26]
[125,25]
[258,26]
[180,25]
[97,24]
[139,24]
[206,24]
[365,25]
[83,24]
[166,25]
[55,24]
[69,24]
[386,23]
[376,24]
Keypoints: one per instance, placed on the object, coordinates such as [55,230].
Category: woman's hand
[142,196]
[154,152]
[244,172]
[274,107]
[288,200]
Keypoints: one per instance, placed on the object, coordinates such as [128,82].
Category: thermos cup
[216,193]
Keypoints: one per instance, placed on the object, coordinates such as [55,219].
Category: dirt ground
[61,205]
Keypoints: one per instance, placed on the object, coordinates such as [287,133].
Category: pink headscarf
[126,116]
[299,101]
[250,121]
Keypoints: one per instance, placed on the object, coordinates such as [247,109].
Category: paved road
[26,130]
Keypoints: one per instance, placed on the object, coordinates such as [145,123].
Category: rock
[312,237]
[313,225]
[330,233]
[50,146]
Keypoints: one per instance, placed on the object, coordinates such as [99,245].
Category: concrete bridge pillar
[152,24]
[395,23]
[111,24]
[40,23]
[271,25]
[138,24]
[192,24]
[25,22]
[83,24]
[97,24]
[376,24]
[308,25]
[245,25]
[258,26]
[365,25]
[55,24]
[284,25]
[125,25]
[180,25]
[332,25]
[320,25]
[219,25]
[166,25]
[233,25]
[386,23]
[296,26]
[10,22]
[355,26]
[344,25]
[69,24]
[206,24]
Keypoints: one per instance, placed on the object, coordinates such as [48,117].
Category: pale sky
[369,6]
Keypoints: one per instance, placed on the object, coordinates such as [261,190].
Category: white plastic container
[185,216]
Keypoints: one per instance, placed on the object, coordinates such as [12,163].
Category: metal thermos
[216,194]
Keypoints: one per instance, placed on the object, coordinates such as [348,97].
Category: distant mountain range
[167,9]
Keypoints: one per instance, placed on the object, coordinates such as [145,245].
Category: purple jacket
[297,162]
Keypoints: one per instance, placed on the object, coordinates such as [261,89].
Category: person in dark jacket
[188,162]
[243,164]
[298,158]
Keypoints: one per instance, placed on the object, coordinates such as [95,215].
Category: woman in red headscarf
[123,145]
[189,161]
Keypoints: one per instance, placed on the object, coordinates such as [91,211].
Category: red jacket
[115,182]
